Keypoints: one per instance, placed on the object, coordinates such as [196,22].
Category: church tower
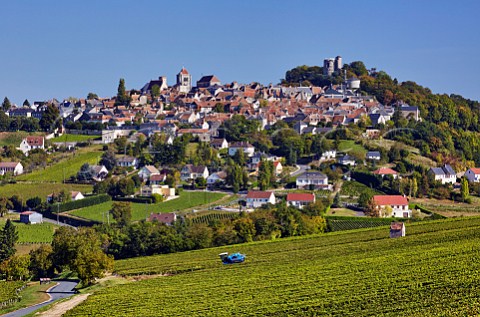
[184,81]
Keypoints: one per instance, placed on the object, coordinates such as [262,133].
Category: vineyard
[350,223]
[8,292]
[433,271]
[37,233]
[211,217]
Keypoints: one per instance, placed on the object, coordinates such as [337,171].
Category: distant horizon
[60,49]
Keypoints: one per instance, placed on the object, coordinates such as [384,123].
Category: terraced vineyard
[431,272]
[8,291]
[207,218]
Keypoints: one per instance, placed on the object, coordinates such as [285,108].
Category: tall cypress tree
[8,238]
[122,98]
[6,104]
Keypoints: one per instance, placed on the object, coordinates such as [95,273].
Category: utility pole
[58,215]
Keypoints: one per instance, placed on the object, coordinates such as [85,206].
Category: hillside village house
[31,143]
[444,174]
[157,179]
[167,218]
[300,200]
[218,177]
[76,195]
[246,147]
[278,168]
[16,168]
[162,190]
[347,160]
[127,161]
[256,199]
[147,171]
[328,155]
[398,204]
[219,144]
[313,180]
[473,174]
[190,172]
[373,155]
[384,171]
[100,172]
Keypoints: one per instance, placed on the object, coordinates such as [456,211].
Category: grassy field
[449,208]
[37,233]
[341,212]
[433,271]
[14,138]
[142,211]
[349,146]
[75,138]
[26,190]
[63,169]
[354,189]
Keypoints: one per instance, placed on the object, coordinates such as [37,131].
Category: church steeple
[184,81]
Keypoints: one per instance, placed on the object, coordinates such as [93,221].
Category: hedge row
[138,199]
[433,215]
[77,204]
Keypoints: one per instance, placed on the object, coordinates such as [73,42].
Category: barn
[31,217]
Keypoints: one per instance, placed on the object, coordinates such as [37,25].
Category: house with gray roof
[445,174]
[313,180]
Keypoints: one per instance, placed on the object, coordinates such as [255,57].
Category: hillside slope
[431,272]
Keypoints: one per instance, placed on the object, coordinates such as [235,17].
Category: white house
[219,144]
[444,174]
[328,155]
[383,171]
[147,171]
[127,161]
[315,180]
[216,177]
[76,195]
[300,200]
[246,147]
[347,160]
[473,174]
[16,168]
[373,155]
[190,171]
[31,143]
[256,199]
[397,203]
[100,172]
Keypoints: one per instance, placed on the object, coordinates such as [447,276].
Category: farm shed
[31,217]
[397,230]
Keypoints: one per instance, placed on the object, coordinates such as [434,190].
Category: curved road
[62,290]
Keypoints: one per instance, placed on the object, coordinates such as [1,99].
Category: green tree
[16,268]
[364,199]
[92,96]
[464,190]
[122,97]
[6,104]
[109,160]
[5,205]
[8,238]
[414,187]
[34,202]
[50,118]
[122,213]
[41,264]
[125,187]
[155,91]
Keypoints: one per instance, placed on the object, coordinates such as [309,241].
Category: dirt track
[59,309]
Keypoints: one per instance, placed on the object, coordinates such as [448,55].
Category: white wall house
[300,200]
[190,171]
[444,174]
[473,174]
[398,203]
[147,171]
[16,168]
[256,199]
[316,180]
[31,143]
[246,147]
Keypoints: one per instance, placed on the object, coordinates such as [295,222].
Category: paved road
[62,290]
[301,169]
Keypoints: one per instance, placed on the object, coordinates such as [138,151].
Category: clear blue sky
[69,48]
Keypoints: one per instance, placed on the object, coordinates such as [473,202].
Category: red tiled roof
[166,218]
[300,197]
[475,170]
[385,171]
[35,140]
[384,200]
[258,194]
[184,71]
